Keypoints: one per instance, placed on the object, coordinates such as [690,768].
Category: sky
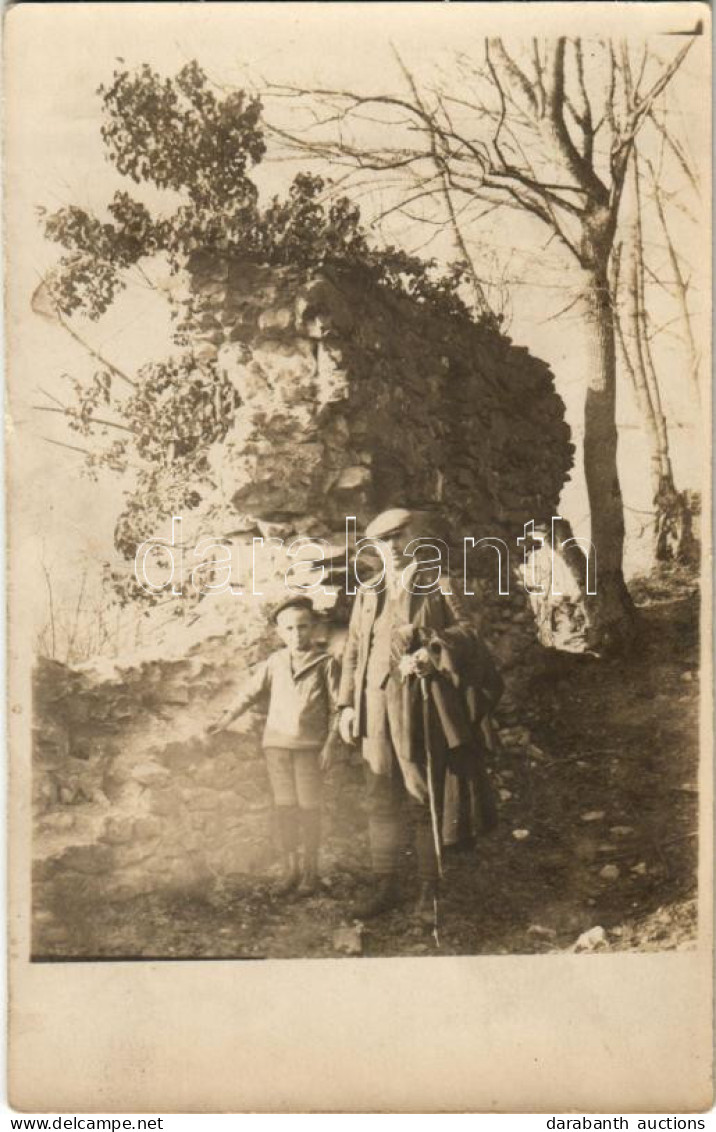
[58,55]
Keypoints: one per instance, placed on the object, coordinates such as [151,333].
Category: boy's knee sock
[287,820]
[311,828]
[308,779]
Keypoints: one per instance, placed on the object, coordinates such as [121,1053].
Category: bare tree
[83,618]
[548,130]
[680,281]
[51,647]
[672,533]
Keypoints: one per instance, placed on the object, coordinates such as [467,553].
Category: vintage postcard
[358,416]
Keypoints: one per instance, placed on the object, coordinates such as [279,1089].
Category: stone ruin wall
[352,399]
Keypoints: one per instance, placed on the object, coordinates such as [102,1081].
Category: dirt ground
[603,800]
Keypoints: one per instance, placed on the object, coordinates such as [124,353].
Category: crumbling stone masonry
[352,399]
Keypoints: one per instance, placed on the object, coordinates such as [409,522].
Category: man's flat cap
[389,523]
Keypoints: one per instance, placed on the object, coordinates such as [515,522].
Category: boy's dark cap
[296,602]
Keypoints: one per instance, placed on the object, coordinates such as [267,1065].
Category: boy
[301,685]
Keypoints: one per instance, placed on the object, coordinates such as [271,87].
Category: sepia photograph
[358,430]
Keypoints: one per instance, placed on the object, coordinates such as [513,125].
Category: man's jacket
[457,693]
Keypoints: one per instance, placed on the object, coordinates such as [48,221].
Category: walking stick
[431,786]
[431,797]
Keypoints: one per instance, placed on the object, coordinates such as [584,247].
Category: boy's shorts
[295,777]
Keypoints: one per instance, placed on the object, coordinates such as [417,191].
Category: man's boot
[426,907]
[311,825]
[287,821]
[290,876]
[383,897]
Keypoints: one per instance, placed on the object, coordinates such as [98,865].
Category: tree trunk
[612,613]
[663,492]
[672,537]
[671,527]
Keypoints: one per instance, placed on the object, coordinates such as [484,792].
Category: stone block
[167,803]
[57,822]
[148,828]
[281,318]
[92,860]
[128,796]
[180,843]
[149,773]
[207,351]
[126,855]
[353,478]
[199,798]
[118,830]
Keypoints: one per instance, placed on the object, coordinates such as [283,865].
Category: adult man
[401,694]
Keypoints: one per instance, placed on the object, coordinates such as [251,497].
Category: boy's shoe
[382,899]
[425,908]
[311,824]
[309,876]
[290,878]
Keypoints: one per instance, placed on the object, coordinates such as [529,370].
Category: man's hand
[422,663]
[346,725]
[416,664]
[415,782]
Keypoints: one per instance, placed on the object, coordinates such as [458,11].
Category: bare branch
[677,151]
[581,169]
[609,101]
[517,76]
[51,397]
[78,610]
[503,104]
[39,306]
[584,119]
[51,601]
[71,447]
[646,359]
[635,367]
[539,78]
[643,105]
[66,411]
[545,191]
[680,281]
[639,109]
